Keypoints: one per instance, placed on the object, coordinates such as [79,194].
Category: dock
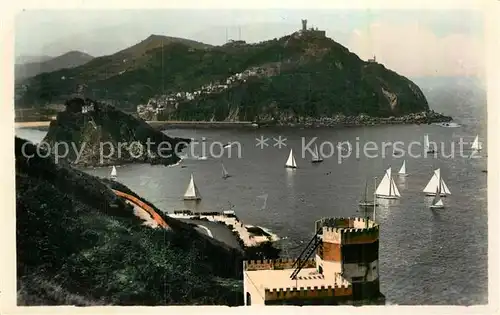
[247,233]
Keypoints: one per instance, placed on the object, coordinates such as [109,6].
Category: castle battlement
[348,230]
[305,292]
[344,222]
[269,264]
[328,278]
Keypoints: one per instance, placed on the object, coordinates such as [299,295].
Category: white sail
[437,202]
[444,188]
[402,170]
[433,183]
[476,145]
[291,160]
[394,189]
[113,172]
[436,183]
[225,174]
[426,142]
[192,192]
[387,187]
[316,157]
[315,153]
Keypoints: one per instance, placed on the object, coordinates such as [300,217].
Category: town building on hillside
[344,269]
[87,109]
[373,60]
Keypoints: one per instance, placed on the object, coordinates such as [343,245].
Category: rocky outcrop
[91,133]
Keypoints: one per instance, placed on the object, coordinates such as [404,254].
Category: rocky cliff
[95,133]
[291,78]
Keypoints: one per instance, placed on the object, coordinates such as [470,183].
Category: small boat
[365,203]
[387,189]
[402,170]
[427,146]
[113,174]
[290,163]
[476,145]
[316,158]
[202,158]
[437,202]
[192,192]
[448,125]
[225,174]
[484,171]
[228,145]
[436,183]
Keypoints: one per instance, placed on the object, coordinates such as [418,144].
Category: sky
[415,43]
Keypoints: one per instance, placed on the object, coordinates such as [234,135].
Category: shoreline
[337,122]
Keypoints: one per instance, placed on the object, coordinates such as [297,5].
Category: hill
[300,75]
[157,41]
[79,244]
[68,60]
[98,134]
[29,59]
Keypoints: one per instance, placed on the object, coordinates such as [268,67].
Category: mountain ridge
[308,74]
[69,59]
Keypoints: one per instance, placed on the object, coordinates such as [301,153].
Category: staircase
[306,254]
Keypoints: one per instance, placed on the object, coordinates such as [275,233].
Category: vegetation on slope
[68,60]
[77,243]
[315,77]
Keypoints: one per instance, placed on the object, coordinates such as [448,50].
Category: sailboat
[476,145]
[436,182]
[387,188]
[402,170]
[192,192]
[290,163]
[427,146]
[113,174]
[225,174]
[437,202]
[365,203]
[316,158]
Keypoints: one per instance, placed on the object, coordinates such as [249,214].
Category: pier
[250,235]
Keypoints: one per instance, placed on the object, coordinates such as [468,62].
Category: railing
[306,254]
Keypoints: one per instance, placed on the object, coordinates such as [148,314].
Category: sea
[429,257]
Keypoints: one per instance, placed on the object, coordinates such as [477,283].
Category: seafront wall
[160,125]
[269,264]
[308,292]
[325,122]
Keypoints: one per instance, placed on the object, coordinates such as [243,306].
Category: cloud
[414,50]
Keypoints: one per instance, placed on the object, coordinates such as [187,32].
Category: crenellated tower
[350,247]
[339,265]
